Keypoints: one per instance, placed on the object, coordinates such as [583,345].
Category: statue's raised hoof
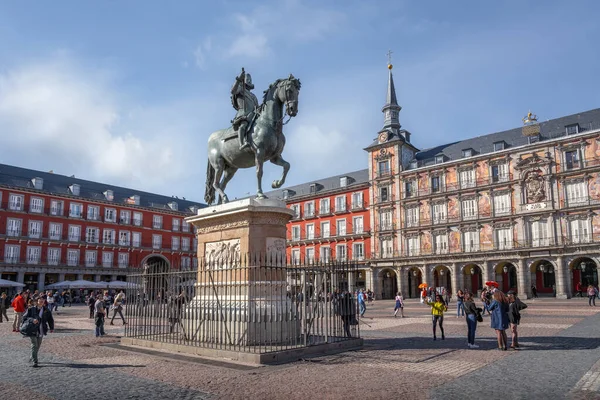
[261,196]
[276,185]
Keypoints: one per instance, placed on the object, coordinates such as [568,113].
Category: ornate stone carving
[243,220]
[276,248]
[535,186]
[223,254]
[531,162]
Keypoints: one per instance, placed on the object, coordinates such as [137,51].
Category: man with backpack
[36,322]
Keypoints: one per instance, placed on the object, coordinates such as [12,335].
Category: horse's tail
[209,193]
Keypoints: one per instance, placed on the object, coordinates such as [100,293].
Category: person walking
[437,314]
[347,311]
[399,305]
[18,304]
[118,307]
[361,303]
[578,290]
[100,313]
[515,305]
[499,318]
[91,304]
[4,306]
[471,313]
[534,292]
[592,293]
[460,298]
[42,317]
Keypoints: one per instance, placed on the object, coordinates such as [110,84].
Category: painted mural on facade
[486,237]
[592,150]
[596,227]
[485,207]
[453,208]
[594,186]
[482,172]
[426,212]
[452,177]
[426,242]
[454,241]
[423,183]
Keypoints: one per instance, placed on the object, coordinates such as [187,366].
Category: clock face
[383,136]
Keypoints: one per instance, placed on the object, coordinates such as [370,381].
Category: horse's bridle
[287,101]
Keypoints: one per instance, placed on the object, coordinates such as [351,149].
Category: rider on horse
[245,103]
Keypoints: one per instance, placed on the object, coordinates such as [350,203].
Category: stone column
[351,282]
[61,277]
[523,278]
[402,281]
[369,279]
[21,276]
[428,275]
[562,291]
[79,277]
[41,281]
[457,279]
[97,278]
[486,272]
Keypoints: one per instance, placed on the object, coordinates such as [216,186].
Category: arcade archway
[505,274]
[415,278]
[442,278]
[472,278]
[584,271]
[389,283]
[543,277]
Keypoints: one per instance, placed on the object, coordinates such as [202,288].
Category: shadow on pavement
[487,343]
[91,366]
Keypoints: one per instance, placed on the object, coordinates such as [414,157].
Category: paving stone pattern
[560,359]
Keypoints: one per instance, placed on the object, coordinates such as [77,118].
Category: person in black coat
[41,317]
[347,310]
[515,305]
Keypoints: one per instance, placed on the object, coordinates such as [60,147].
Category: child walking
[437,314]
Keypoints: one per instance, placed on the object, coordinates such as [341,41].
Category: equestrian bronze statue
[256,135]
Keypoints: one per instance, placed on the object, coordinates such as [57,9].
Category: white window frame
[580,230]
[185,263]
[440,243]
[108,259]
[57,207]
[36,208]
[12,253]
[504,238]
[325,229]
[467,178]
[576,193]
[72,257]
[358,226]
[386,247]
[138,218]
[340,227]
[412,216]
[156,241]
[108,236]
[185,244]
[75,210]
[92,234]
[358,254]
[538,233]
[295,233]
[124,238]
[125,217]
[575,162]
[16,202]
[157,221]
[341,252]
[295,256]
[175,240]
[439,213]
[14,227]
[72,236]
[55,231]
[53,255]
[91,258]
[123,260]
[324,206]
[110,214]
[136,239]
[310,254]
[503,174]
[357,201]
[413,245]
[325,254]
[502,204]
[468,208]
[340,203]
[309,209]
[310,231]
[34,254]
[471,241]
[385,220]
[93,213]
[175,225]
[35,229]
[296,209]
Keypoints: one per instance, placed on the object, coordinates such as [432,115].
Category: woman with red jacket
[18,304]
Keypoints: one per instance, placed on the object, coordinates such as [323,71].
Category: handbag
[28,328]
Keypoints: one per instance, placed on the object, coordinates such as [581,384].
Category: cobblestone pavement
[560,359]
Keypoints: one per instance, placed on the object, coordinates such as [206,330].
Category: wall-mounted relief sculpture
[534,185]
[223,254]
[276,248]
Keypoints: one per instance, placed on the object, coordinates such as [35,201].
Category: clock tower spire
[391,109]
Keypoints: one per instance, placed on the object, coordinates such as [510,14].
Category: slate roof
[551,129]
[18,177]
[329,184]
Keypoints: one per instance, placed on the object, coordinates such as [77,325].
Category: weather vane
[389,55]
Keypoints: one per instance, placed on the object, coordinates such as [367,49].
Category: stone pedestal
[241,290]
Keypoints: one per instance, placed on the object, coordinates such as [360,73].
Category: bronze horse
[266,139]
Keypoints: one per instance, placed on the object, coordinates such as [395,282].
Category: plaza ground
[560,359]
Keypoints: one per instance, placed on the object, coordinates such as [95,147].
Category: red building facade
[55,228]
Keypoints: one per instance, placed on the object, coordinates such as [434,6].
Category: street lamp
[542,268]
[441,272]
[505,269]
[550,270]
[387,275]
[415,273]
[582,266]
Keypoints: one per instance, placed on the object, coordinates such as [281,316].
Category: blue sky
[127,92]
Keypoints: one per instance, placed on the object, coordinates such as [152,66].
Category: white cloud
[201,52]
[251,42]
[55,115]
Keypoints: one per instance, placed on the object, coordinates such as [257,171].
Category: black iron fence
[245,304]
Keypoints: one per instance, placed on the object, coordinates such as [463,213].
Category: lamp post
[505,269]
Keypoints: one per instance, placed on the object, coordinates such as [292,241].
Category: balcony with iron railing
[384,199]
[383,173]
[577,165]
[386,227]
[580,202]
[340,207]
[456,186]
[357,205]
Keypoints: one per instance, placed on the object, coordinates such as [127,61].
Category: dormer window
[467,153]
[313,188]
[286,194]
[74,188]
[343,181]
[194,209]
[173,206]
[439,159]
[572,129]
[38,183]
[109,195]
[413,164]
[135,200]
[499,146]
